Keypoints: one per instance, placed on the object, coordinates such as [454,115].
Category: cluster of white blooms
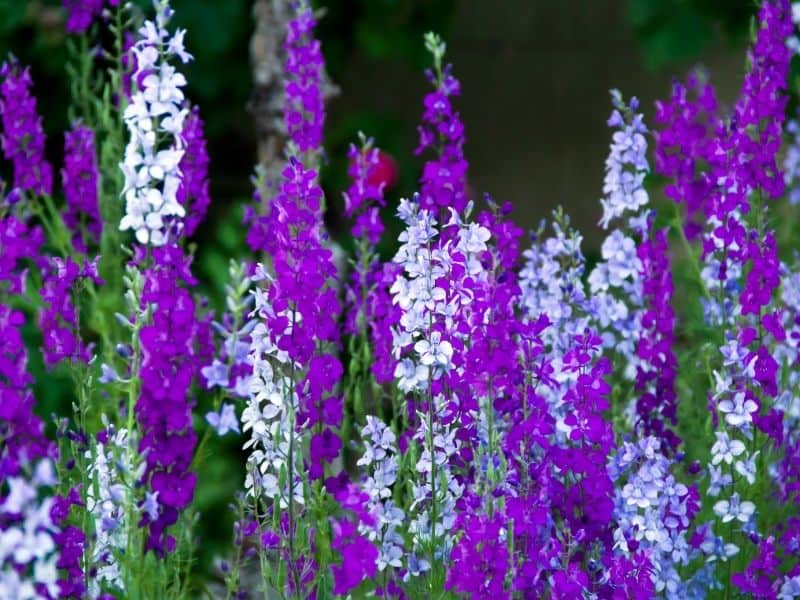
[28,552]
[434,291]
[269,413]
[155,117]
[436,481]
[418,295]
[730,457]
[380,459]
[107,497]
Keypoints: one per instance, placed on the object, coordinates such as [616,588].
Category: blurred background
[535,78]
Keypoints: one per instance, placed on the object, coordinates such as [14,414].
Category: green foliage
[673,31]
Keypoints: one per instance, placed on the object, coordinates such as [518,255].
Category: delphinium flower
[82,13]
[632,286]
[58,319]
[164,408]
[791,162]
[231,370]
[23,139]
[653,512]
[363,201]
[424,342]
[486,378]
[22,431]
[625,204]
[443,184]
[551,282]
[30,528]
[155,119]
[559,494]
[369,309]
[79,179]
[28,551]
[687,123]
[552,288]
[787,405]
[480,315]
[293,406]
[294,411]
[365,196]
[359,557]
[193,193]
[481,558]
[742,272]
[380,464]
[584,501]
[107,498]
[304,108]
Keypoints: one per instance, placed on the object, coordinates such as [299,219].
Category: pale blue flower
[224,421]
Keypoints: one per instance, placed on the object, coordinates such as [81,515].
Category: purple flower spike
[23,139]
[82,13]
[444,178]
[304,112]
[164,410]
[193,192]
[79,179]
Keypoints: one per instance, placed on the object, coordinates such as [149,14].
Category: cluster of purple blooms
[508,423]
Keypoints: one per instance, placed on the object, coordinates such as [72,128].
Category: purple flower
[81,13]
[364,191]
[79,180]
[23,139]
[58,318]
[359,557]
[304,110]
[193,192]
[21,429]
[684,145]
[480,559]
[164,408]
[443,183]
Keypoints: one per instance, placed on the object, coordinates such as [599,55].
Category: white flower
[747,469]
[619,252]
[725,449]
[734,509]
[738,411]
[718,480]
[411,376]
[435,352]
[474,238]
[20,495]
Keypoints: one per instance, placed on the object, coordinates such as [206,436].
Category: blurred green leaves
[671,31]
